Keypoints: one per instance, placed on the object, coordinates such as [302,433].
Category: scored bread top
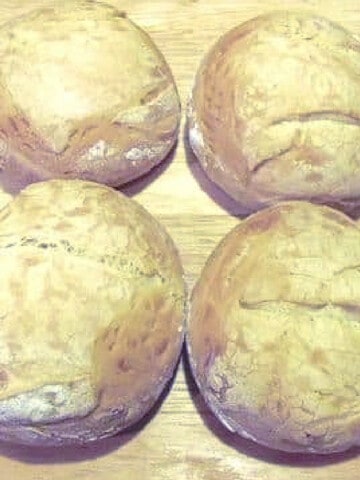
[85,93]
[274,112]
[91,308]
[274,330]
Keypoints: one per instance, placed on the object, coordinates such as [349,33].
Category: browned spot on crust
[144,337]
[314,177]
[207,336]
[270,347]
[263,221]
[77,211]
[339,402]
[109,338]
[318,357]
[132,343]
[311,156]
[131,359]
[31,262]
[161,347]
[123,364]
[63,225]
[4,378]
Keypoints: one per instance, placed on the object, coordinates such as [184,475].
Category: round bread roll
[84,93]
[274,113]
[91,313]
[274,331]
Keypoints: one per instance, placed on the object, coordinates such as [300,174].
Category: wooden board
[181,440]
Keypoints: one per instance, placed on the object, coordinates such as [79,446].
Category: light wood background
[181,440]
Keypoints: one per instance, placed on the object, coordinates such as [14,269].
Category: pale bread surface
[274,330]
[84,93]
[274,112]
[91,313]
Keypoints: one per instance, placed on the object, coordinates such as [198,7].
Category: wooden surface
[181,439]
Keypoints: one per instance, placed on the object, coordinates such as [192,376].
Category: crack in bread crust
[265,161]
[328,115]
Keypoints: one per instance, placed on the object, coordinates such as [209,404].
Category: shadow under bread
[136,186]
[228,204]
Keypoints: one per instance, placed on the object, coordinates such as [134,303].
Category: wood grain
[181,439]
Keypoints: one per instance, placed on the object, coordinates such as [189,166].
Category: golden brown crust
[75,103]
[279,300]
[92,304]
[274,112]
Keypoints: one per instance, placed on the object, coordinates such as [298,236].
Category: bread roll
[275,112]
[84,93]
[274,330]
[91,309]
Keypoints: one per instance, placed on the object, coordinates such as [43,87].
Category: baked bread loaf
[91,309]
[275,113]
[84,93]
[274,330]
